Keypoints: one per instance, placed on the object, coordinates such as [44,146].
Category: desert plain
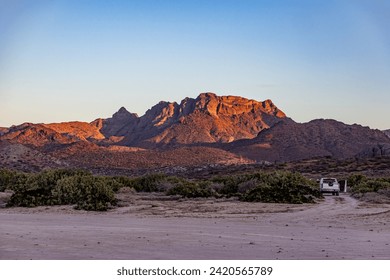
[154,226]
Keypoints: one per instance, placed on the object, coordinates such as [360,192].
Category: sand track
[152,228]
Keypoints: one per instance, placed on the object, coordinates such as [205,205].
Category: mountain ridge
[226,128]
[288,140]
[206,119]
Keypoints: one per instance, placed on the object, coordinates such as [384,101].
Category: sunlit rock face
[206,119]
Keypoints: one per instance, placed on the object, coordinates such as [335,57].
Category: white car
[329,185]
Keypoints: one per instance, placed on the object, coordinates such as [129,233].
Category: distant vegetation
[97,193]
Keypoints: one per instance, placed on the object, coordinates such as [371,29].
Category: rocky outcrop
[37,135]
[379,150]
[207,119]
[289,140]
[81,130]
[53,134]
[118,125]
[3,130]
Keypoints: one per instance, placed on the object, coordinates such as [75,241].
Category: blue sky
[80,60]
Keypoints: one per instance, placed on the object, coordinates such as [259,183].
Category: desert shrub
[59,187]
[149,183]
[12,180]
[124,181]
[216,187]
[6,177]
[87,192]
[371,185]
[64,192]
[277,186]
[191,189]
[154,182]
[112,183]
[355,179]
[281,194]
[228,184]
[93,194]
[165,186]
[36,189]
[246,186]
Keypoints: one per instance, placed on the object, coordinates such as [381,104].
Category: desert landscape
[156,227]
[195,130]
[216,177]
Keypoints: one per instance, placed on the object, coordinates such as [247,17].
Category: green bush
[275,194]
[36,189]
[94,194]
[61,187]
[277,186]
[371,185]
[149,183]
[112,183]
[6,176]
[227,184]
[191,190]
[123,181]
[67,186]
[356,179]
[64,192]
[12,180]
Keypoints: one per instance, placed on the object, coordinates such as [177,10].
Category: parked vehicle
[329,185]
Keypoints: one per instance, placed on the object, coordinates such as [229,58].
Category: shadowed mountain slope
[289,140]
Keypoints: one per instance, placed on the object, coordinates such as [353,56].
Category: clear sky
[80,60]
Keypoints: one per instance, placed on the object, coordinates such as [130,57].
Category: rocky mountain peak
[234,105]
[270,108]
[207,118]
[123,114]
[160,114]
[119,124]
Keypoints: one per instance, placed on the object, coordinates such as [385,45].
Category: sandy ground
[158,227]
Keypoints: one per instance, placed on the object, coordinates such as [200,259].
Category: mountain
[3,130]
[37,135]
[18,156]
[288,140]
[387,132]
[207,119]
[80,130]
[208,129]
[120,124]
